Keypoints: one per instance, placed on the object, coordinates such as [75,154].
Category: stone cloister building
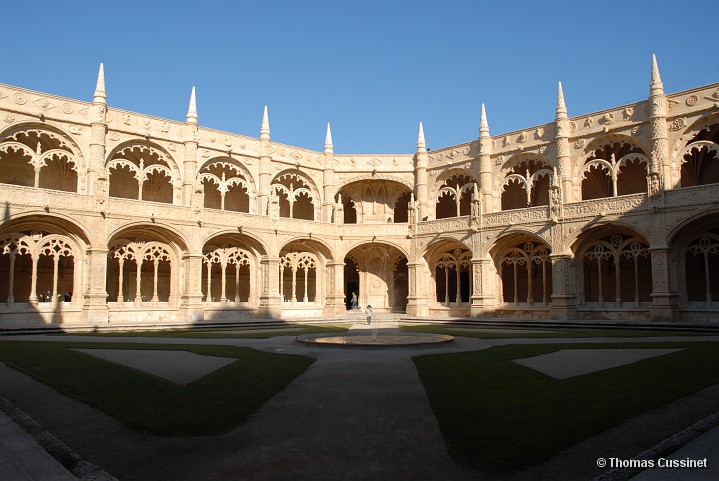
[116,217]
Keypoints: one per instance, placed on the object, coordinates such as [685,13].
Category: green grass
[485,332]
[213,404]
[237,332]
[498,415]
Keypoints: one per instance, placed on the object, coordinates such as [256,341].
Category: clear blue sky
[372,68]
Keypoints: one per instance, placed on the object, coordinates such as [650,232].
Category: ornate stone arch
[149,258]
[613,266]
[526,171]
[59,275]
[360,177]
[605,159]
[450,273]
[460,192]
[45,146]
[284,185]
[524,269]
[373,199]
[226,173]
[143,162]
[696,154]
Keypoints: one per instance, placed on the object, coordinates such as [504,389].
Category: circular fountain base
[367,339]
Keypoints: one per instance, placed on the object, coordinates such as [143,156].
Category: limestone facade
[124,218]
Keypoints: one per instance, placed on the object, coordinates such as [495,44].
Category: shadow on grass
[498,415]
[226,332]
[213,404]
[490,332]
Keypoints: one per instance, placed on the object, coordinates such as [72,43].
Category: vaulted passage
[378,274]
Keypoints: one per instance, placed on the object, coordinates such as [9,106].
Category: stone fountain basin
[370,339]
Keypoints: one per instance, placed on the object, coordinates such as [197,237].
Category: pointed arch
[41,156]
[144,171]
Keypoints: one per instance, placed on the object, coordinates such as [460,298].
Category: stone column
[417,304]
[564,306]
[665,298]
[191,307]
[334,294]
[270,300]
[482,300]
[94,309]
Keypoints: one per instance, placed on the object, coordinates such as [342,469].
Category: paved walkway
[355,414]
[22,459]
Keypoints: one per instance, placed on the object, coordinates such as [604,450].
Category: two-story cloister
[116,217]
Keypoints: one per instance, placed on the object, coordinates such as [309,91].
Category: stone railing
[529,215]
[379,230]
[611,205]
[450,224]
[701,194]
[30,197]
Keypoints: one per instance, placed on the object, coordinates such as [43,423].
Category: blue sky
[374,69]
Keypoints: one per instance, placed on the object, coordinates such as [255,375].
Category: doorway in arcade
[378,274]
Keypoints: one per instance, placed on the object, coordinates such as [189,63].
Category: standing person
[368,311]
[353,303]
[48,296]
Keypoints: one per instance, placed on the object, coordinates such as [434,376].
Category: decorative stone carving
[678,124]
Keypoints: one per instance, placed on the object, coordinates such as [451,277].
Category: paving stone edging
[663,448]
[72,461]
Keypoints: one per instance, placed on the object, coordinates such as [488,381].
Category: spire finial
[328,140]
[421,145]
[100,95]
[265,129]
[192,108]
[656,86]
[483,124]
[561,106]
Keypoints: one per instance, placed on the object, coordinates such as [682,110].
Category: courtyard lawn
[231,331]
[498,415]
[215,403]
[486,332]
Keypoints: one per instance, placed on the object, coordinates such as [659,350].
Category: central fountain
[374,336]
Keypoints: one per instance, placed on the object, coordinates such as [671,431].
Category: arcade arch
[143,267]
[700,158]
[297,195]
[614,168]
[450,266]
[454,196]
[614,268]
[526,184]
[374,201]
[227,185]
[143,171]
[230,270]
[378,273]
[40,157]
[524,270]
